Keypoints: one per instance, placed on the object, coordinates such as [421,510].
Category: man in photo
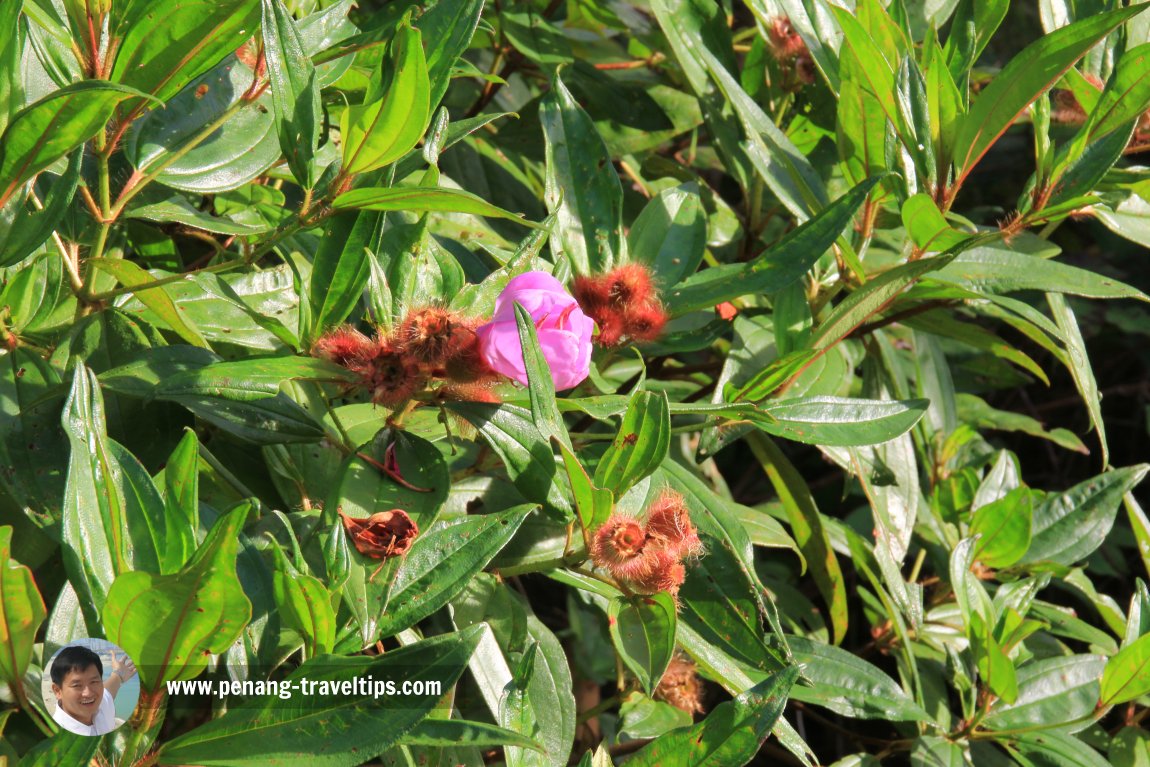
[84,700]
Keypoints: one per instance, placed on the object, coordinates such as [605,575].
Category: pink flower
[564,331]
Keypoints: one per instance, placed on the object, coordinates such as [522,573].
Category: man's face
[81,694]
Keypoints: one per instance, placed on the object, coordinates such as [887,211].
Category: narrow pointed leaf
[1028,75]
[295,90]
[442,561]
[380,132]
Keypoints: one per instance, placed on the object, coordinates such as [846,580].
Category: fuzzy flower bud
[648,556]
[433,335]
[624,303]
[680,686]
[394,377]
[344,346]
[669,522]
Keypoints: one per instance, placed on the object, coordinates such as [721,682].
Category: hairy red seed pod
[669,522]
[645,322]
[344,346]
[617,543]
[611,326]
[630,284]
[465,363]
[431,335]
[394,377]
[655,570]
[592,293]
[624,304]
[680,686]
[783,41]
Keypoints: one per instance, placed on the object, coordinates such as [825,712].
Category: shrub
[287,288]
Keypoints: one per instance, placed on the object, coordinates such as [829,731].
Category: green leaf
[779,266]
[381,131]
[1077,361]
[11,43]
[295,91]
[722,598]
[43,132]
[974,22]
[998,269]
[692,26]
[161,52]
[176,621]
[305,604]
[182,500]
[643,631]
[583,190]
[540,381]
[670,234]
[927,226]
[30,230]
[877,63]
[512,434]
[848,685]
[1004,525]
[95,534]
[731,734]
[1127,674]
[448,29]
[537,701]
[341,266]
[837,421]
[995,667]
[1052,691]
[62,748]
[330,729]
[592,503]
[808,528]
[787,172]
[1069,526]
[22,611]
[1048,749]
[425,199]
[441,563]
[179,210]
[531,34]
[462,732]
[33,447]
[157,299]
[1028,75]
[1126,97]
[171,141]
[641,445]
[250,378]
[931,752]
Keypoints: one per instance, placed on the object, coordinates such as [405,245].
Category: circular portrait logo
[90,687]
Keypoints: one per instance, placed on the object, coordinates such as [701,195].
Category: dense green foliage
[879,394]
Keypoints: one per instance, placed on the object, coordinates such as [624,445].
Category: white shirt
[104,721]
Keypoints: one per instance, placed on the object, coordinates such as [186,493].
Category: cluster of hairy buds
[789,50]
[624,304]
[648,556]
[430,344]
[680,685]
